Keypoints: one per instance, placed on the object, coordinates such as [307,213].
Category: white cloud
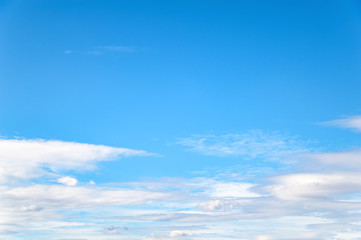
[24,207]
[333,160]
[353,123]
[26,159]
[197,202]
[179,233]
[197,208]
[232,190]
[262,237]
[303,186]
[252,144]
[71,197]
[69,181]
[222,205]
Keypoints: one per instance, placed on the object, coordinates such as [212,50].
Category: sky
[180,120]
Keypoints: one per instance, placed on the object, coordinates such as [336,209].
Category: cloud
[334,226]
[27,159]
[54,196]
[262,237]
[293,206]
[313,186]
[117,48]
[350,161]
[179,233]
[29,206]
[232,190]
[250,145]
[114,230]
[69,181]
[162,211]
[221,205]
[102,50]
[353,123]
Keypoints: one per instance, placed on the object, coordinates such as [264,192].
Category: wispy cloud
[103,50]
[251,144]
[116,48]
[353,123]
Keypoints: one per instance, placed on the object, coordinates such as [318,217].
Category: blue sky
[180,119]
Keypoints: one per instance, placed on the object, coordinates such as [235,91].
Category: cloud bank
[319,201]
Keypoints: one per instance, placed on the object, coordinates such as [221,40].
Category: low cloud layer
[319,201]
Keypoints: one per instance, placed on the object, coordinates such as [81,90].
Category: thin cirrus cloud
[33,158]
[251,144]
[103,50]
[353,123]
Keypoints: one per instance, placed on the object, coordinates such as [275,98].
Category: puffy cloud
[68,181]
